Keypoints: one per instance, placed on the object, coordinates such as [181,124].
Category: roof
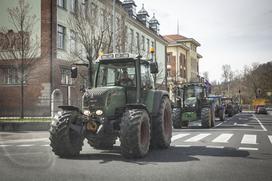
[174,38]
[179,38]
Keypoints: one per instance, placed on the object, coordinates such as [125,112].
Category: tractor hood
[106,99]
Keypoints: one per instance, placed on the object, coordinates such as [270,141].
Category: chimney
[142,16]
[154,24]
[130,8]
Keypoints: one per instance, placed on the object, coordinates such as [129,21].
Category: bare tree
[206,75]
[18,46]
[94,33]
[227,76]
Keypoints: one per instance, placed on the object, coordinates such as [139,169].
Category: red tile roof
[174,38]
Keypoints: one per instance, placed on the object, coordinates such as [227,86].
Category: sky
[234,32]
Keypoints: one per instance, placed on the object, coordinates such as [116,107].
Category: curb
[24,126]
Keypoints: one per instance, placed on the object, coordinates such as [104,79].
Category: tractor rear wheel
[206,118]
[65,142]
[162,126]
[135,133]
[176,118]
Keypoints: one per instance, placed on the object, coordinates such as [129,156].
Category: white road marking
[197,137]
[178,136]
[219,147]
[247,148]
[249,139]
[24,140]
[223,138]
[24,145]
[45,145]
[270,138]
[219,124]
[184,146]
[255,117]
[4,145]
[236,124]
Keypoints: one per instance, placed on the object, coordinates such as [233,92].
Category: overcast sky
[235,32]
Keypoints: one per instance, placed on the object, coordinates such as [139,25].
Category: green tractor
[123,104]
[192,105]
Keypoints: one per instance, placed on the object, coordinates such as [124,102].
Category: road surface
[240,148]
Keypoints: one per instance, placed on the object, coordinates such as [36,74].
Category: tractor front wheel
[65,142]
[176,118]
[206,118]
[222,115]
[135,133]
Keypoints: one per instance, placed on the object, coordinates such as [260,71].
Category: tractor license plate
[189,116]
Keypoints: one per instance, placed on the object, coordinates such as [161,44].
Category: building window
[138,42]
[73,43]
[143,42]
[62,3]
[148,46]
[9,75]
[66,76]
[61,37]
[168,58]
[74,6]
[131,40]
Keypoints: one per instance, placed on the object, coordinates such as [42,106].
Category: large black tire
[222,115]
[135,133]
[206,118]
[65,142]
[162,126]
[176,118]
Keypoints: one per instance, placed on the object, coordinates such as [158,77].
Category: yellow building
[183,59]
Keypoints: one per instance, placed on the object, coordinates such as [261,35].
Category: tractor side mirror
[154,67]
[74,72]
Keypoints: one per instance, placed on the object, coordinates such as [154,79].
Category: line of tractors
[124,103]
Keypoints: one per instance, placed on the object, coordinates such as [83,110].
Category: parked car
[260,110]
[232,107]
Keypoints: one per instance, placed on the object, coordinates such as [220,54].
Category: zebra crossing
[245,141]
[210,140]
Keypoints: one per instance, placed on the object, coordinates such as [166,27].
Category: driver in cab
[125,80]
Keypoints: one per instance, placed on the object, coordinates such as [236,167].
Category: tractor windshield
[116,74]
[192,93]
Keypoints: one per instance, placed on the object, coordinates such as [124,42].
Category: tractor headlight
[87,113]
[99,112]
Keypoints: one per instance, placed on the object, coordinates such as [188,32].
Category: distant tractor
[232,107]
[219,106]
[192,105]
[123,104]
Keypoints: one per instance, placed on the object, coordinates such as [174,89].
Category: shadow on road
[173,154]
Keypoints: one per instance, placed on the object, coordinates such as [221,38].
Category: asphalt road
[239,148]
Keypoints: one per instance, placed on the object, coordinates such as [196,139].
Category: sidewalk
[23,136]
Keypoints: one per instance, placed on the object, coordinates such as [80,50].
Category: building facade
[48,83]
[182,60]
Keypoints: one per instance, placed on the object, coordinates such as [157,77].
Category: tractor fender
[70,108]
[158,95]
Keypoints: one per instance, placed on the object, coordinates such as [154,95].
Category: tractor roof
[200,84]
[215,96]
[120,58]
